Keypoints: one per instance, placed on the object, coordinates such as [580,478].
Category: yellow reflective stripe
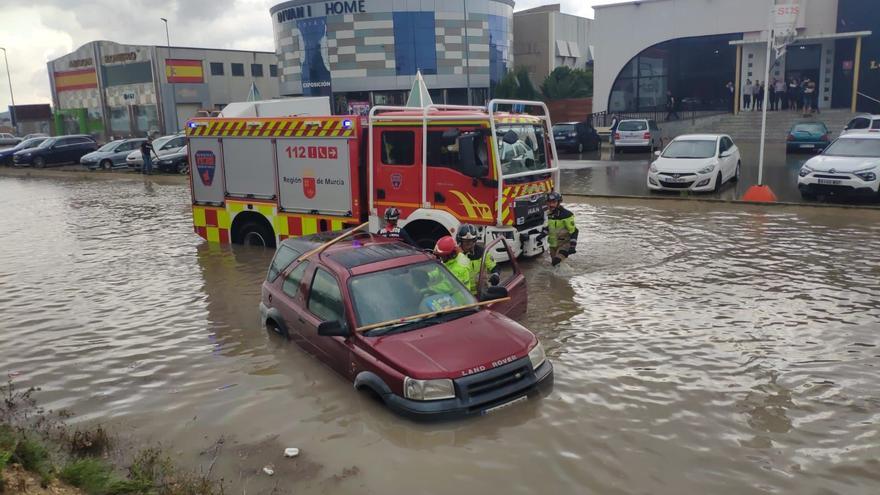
[336,225]
[213,234]
[199,217]
[309,225]
[267,211]
[235,207]
[281,227]
[223,220]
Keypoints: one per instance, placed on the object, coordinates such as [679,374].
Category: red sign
[847,65]
[310,187]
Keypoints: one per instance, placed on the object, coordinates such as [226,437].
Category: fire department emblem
[310,184]
[206,163]
[396,180]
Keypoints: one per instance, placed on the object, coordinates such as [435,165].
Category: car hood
[823,163]
[96,155]
[8,151]
[682,164]
[134,155]
[457,348]
[172,153]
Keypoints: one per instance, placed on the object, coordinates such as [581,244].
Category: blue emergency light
[346,124]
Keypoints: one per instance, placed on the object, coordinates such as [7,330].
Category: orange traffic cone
[759,194]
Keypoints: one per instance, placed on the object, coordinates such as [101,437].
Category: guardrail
[603,119]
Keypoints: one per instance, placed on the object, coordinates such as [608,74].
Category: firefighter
[391,230]
[561,232]
[467,240]
[448,252]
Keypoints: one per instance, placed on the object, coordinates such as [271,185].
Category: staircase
[747,125]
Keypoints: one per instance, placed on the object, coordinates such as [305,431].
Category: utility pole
[173,87]
[11,95]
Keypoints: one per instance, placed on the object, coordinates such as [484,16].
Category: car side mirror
[510,137]
[494,292]
[657,153]
[467,155]
[332,329]
[725,154]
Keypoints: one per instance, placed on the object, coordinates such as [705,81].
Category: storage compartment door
[314,176]
[250,167]
[206,164]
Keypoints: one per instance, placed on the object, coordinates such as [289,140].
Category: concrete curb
[88,175]
[586,197]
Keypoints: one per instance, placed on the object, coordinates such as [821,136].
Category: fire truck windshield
[528,153]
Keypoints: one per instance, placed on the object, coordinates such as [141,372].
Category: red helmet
[446,246]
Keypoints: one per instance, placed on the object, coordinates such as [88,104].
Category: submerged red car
[391,318]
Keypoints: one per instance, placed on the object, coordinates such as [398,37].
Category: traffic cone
[759,194]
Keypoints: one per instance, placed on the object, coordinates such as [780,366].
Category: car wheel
[254,234]
[718,180]
[737,173]
[106,164]
[39,162]
[183,169]
[580,147]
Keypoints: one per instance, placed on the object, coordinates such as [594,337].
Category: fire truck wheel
[254,234]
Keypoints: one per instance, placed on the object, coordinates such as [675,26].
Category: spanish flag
[184,71]
[76,79]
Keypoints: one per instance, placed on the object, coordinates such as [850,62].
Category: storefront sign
[129,96]
[120,57]
[321,9]
[847,65]
[82,62]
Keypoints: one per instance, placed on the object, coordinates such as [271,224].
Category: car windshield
[858,147]
[406,291]
[29,143]
[811,128]
[690,149]
[527,153]
[47,143]
[158,143]
[633,125]
[110,146]
[558,129]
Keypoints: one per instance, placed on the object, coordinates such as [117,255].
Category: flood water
[698,349]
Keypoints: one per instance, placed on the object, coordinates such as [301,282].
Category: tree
[516,85]
[565,82]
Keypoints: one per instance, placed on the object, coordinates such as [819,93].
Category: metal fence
[603,119]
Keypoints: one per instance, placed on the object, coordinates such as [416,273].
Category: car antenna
[322,247]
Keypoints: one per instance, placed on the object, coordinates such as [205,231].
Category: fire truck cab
[260,180]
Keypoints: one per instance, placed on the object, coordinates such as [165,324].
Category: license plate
[675,179]
[829,182]
[810,146]
[506,405]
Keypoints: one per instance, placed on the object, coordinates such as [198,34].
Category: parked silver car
[161,146]
[7,139]
[112,154]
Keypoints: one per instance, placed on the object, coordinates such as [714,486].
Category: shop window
[415,45]
[273,70]
[237,70]
[398,147]
[257,70]
[216,68]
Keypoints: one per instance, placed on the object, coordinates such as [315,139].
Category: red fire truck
[260,180]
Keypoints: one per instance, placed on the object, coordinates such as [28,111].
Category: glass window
[528,153]
[860,147]
[415,45]
[443,151]
[499,47]
[876,124]
[119,121]
[398,147]
[294,279]
[147,119]
[283,257]
[237,69]
[325,298]
[273,70]
[623,95]
[406,291]
[216,68]
[257,70]
[632,125]
[690,149]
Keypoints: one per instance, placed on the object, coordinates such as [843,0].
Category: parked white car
[849,165]
[7,139]
[862,123]
[637,133]
[161,146]
[695,162]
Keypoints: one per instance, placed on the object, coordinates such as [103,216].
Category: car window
[294,279]
[443,151]
[174,143]
[283,257]
[325,298]
[876,124]
[690,149]
[860,123]
[398,147]
[722,146]
[859,147]
[632,125]
[810,127]
[81,141]
[563,128]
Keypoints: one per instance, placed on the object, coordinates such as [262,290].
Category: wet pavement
[625,174]
[699,348]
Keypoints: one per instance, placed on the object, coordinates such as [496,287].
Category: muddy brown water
[698,349]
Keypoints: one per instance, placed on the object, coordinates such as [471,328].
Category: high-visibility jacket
[476,260]
[460,267]
[560,224]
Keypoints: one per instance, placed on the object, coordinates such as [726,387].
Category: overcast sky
[34,35]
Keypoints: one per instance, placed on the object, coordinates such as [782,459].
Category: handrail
[875,100]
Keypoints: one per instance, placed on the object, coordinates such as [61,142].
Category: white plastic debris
[268,470]
[291,452]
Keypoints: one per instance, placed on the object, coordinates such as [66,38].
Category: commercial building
[693,48]
[30,119]
[544,38]
[109,89]
[367,52]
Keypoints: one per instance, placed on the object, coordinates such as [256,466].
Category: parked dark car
[6,154]
[56,151]
[112,154]
[174,163]
[575,136]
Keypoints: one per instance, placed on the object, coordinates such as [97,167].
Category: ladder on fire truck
[434,113]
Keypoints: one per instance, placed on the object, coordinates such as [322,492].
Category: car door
[288,298]
[122,151]
[60,151]
[723,158]
[398,175]
[511,278]
[734,155]
[325,303]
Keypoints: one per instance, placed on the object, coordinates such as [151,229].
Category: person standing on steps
[748,89]
[729,95]
[779,88]
[562,233]
[759,95]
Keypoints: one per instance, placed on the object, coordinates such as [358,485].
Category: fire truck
[259,180]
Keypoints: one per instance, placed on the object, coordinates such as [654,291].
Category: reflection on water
[698,349]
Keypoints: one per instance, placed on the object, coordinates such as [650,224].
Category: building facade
[544,38]
[109,89]
[693,48]
[367,52]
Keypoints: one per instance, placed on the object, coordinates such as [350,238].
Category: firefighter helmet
[554,196]
[445,247]
[392,214]
[466,232]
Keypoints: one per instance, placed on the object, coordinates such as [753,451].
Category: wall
[532,44]
[656,21]
[570,110]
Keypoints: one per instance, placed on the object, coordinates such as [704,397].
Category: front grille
[836,177]
[676,185]
[528,211]
[482,385]
[674,174]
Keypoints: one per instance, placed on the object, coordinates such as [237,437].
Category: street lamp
[173,88]
[11,95]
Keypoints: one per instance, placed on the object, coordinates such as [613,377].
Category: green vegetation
[565,82]
[516,85]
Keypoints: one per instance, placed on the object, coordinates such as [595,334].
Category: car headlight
[653,168]
[428,389]
[867,175]
[707,169]
[572,134]
[537,356]
[805,171]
